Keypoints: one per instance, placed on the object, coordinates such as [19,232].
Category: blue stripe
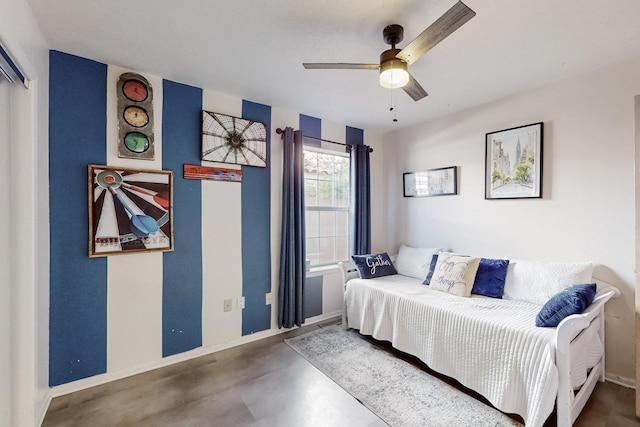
[354,136]
[256,231]
[311,126]
[312,298]
[78,284]
[182,268]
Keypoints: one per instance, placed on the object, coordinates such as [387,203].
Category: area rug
[398,392]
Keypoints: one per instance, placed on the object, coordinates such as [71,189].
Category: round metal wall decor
[234,140]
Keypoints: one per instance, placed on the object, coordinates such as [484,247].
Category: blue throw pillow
[432,267]
[490,277]
[374,265]
[573,300]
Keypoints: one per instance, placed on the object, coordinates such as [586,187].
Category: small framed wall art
[432,182]
[513,163]
[130,210]
[228,139]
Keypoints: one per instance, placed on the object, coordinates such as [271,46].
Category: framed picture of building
[513,163]
[432,182]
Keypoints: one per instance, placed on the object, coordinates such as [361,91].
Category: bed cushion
[537,282]
[572,300]
[374,265]
[414,262]
[454,274]
[490,278]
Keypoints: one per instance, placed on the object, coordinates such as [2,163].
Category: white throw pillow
[454,274]
[536,282]
[414,262]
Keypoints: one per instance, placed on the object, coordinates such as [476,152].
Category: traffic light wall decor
[135,117]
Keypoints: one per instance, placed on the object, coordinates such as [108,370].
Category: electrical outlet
[269,298]
[241,303]
[227,304]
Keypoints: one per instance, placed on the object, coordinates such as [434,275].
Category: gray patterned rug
[398,392]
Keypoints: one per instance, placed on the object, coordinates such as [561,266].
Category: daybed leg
[567,330]
[344,318]
[602,341]
[563,413]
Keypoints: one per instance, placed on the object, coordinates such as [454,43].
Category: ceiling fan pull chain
[393,108]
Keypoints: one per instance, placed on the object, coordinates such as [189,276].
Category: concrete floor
[263,383]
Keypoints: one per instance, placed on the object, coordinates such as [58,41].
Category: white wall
[587,210]
[26,246]
[5,250]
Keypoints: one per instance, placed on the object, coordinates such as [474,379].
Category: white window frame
[330,208]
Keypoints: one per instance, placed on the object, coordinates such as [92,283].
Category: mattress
[490,345]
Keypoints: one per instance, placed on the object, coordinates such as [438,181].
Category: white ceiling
[254,49]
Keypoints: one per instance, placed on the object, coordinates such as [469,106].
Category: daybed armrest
[568,406]
[571,326]
[348,271]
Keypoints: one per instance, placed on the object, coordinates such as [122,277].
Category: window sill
[323,269]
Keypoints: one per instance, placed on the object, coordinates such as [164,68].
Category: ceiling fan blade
[444,26]
[414,90]
[339,66]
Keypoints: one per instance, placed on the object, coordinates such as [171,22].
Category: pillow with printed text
[374,265]
[454,274]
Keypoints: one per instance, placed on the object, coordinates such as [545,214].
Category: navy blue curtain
[360,200]
[292,245]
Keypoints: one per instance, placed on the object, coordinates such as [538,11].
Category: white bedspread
[490,345]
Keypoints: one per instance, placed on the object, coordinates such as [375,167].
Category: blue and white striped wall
[126,313]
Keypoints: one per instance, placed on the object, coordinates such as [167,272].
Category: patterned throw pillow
[374,265]
[454,274]
[573,300]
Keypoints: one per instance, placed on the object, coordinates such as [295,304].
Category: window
[326,196]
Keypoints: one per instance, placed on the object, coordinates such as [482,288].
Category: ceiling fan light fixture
[393,71]
[394,74]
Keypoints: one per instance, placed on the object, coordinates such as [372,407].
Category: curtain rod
[281,132]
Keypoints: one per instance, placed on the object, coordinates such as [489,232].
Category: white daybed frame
[568,403]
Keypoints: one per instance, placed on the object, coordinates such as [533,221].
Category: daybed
[489,344]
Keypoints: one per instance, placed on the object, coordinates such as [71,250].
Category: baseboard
[100,379]
[44,407]
[323,317]
[621,381]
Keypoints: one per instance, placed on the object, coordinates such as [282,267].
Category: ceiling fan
[393,62]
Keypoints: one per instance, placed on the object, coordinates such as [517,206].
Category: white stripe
[134,281]
[221,242]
